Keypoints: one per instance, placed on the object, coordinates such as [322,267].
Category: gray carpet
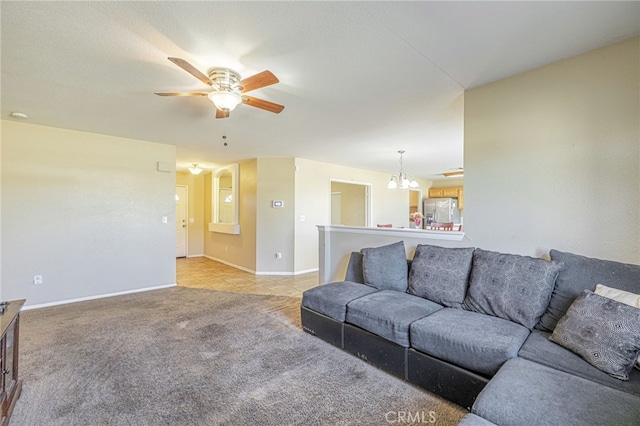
[199,357]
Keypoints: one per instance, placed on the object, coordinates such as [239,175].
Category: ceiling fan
[229,90]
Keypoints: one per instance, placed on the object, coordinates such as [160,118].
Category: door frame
[186,215]
[368,203]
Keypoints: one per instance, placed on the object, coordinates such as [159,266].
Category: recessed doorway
[350,203]
[181,220]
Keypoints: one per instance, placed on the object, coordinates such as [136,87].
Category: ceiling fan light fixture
[225,100]
[457,173]
[195,170]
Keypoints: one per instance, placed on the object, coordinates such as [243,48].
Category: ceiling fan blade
[262,104]
[183,94]
[221,114]
[263,79]
[191,70]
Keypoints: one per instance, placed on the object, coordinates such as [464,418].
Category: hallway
[201,272]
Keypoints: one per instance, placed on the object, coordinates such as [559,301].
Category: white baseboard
[195,255]
[100,296]
[242,268]
[287,273]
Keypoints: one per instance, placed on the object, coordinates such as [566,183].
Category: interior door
[181,220]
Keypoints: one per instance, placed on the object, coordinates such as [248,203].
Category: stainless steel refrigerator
[441,210]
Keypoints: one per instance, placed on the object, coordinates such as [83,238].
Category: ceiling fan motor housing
[225,79]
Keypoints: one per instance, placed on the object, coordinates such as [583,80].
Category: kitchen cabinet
[436,193]
[454,192]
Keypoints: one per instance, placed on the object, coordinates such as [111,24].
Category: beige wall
[552,158]
[275,226]
[236,250]
[447,183]
[84,211]
[196,229]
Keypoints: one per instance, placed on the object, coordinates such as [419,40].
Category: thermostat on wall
[278,203]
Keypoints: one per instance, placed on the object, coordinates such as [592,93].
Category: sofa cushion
[583,273]
[527,393]
[331,299]
[510,286]
[605,332]
[478,342]
[441,274]
[385,268]
[354,268]
[540,349]
[389,314]
[471,419]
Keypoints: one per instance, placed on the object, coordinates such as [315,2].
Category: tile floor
[200,272]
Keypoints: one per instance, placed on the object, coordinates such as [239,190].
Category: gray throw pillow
[385,268]
[510,286]
[441,274]
[583,273]
[603,331]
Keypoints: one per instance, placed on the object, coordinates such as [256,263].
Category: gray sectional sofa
[516,340]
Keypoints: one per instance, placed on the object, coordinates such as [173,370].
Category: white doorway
[336,208]
[350,203]
[181,220]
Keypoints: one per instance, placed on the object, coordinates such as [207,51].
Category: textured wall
[84,211]
[552,158]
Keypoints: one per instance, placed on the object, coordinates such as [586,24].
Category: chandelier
[401,180]
[195,169]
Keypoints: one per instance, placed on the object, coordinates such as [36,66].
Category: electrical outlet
[278,255]
[37,279]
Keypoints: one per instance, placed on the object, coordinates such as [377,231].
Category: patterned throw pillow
[621,296]
[604,332]
[385,268]
[509,286]
[441,274]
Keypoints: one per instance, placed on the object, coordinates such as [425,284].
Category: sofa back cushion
[354,268]
[509,286]
[583,273]
[385,268]
[441,274]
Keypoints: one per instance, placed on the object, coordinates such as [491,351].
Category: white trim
[233,265]
[395,232]
[215,225]
[242,268]
[196,255]
[186,228]
[225,228]
[100,296]
[368,195]
[306,271]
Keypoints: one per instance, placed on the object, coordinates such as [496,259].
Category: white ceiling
[359,80]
